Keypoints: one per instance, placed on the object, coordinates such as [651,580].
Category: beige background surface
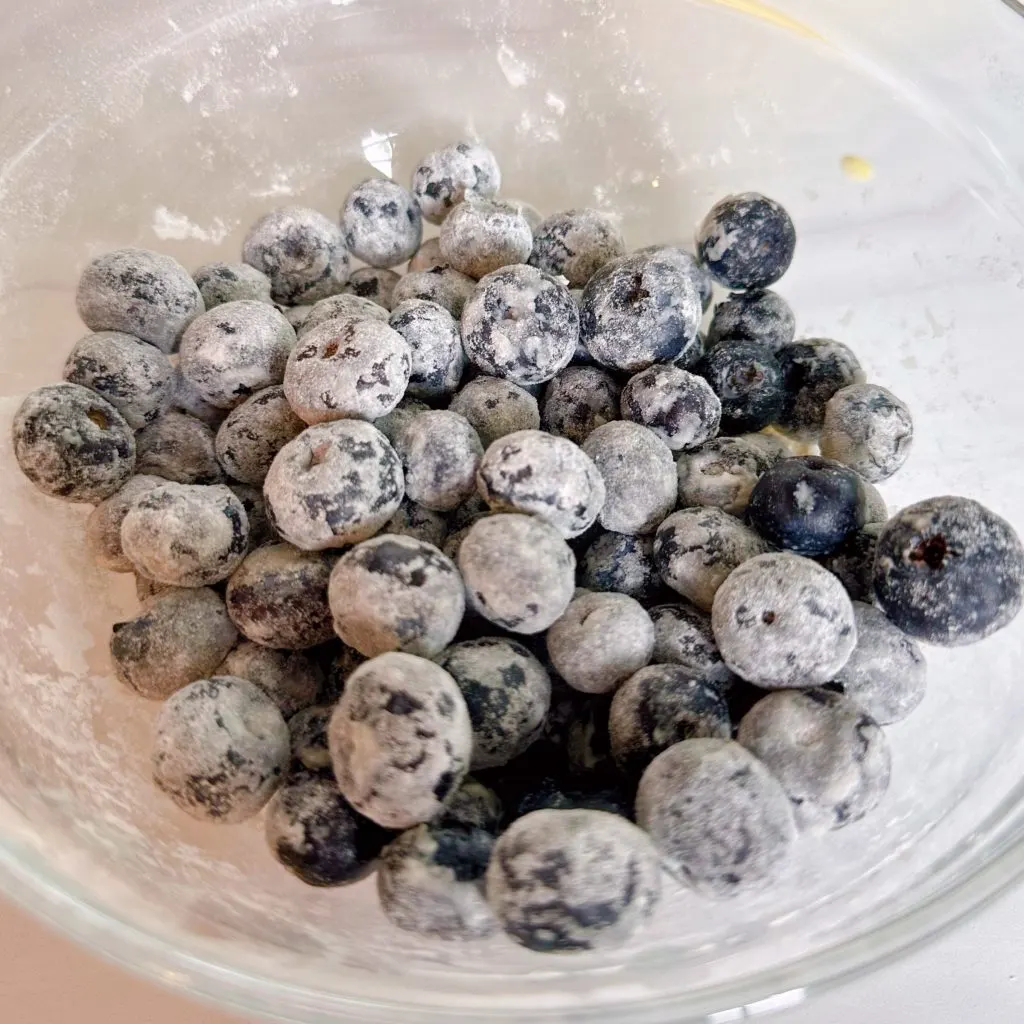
[973,976]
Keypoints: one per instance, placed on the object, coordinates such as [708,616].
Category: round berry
[334,485]
[441,284]
[813,370]
[575,244]
[254,432]
[507,691]
[520,324]
[519,572]
[301,251]
[342,307]
[569,880]
[437,357]
[639,476]
[548,477]
[400,739]
[219,283]
[830,755]
[427,256]
[683,636]
[374,284]
[698,274]
[578,400]
[178,447]
[623,564]
[746,241]
[599,641]
[446,177]
[748,381]
[678,406]
[764,317]
[441,454]
[180,636]
[638,310]
[868,429]
[722,473]
[72,444]
[482,235]
[381,223]
[496,408]
[948,571]
[289,678]
[419,523]
[783,621]
[222,749]
[103,527]
[141,293]
[396,594]
[696,549]
[720,820]
[807,504]
[135,378]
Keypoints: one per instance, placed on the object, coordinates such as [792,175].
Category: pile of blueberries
[512,512]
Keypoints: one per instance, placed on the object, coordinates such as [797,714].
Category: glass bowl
[173,125]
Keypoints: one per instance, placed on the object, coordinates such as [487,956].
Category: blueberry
[948,571]
[748,381]
[807,504]
[753,316]
[746,241]
[853,562]
[813,370]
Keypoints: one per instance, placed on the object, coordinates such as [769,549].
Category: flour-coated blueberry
[748,380]
[437,356]
[254,432]
[622,563]
[291,679]
[103,527]
[441,284]
[178,447]
[440,454]
[722,473]
[381,223]
[375,284]
[813,370]
[220,282]
[578,400]
[764,317]
[448,176]
[482,235]
[495,407]
[683,636]
[678,406]
[575,244]
[868,429]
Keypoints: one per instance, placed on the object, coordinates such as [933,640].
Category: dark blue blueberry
[748,381]
[807,505]
[314,832]
[746,241]
[753,316]
[624,564]
[948,571]
[813,370]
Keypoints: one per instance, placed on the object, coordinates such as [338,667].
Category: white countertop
[973,976]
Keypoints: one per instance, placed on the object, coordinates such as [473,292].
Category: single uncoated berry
[180,448]
[254,432]
[482,235]
[446,177]
[179,636]
[573,880]
[720,820]
[661,705]
[746,241]
[548,477]
[221,749]
[808,505]
[886,673]
[783,621]
[519,572]
[301,251]
[313,831]
[438,359]
[334,485]
[430,882]
[696,549]
[520,324]
[141,293]
[400,739]
[813,370]
[638,310]
[764,317]
[949,571]
[868,429]
[639,476]
[137,379]
[347,368]
[600,640]
[678,406]
[575,244]
[73,444]
[235,350]
[381,223]
[278,597]
[507,692]
[748,380]
[578,400]
[440,454]
[396,594]
[186,535]
[829,754]
[496,408]
[219,283]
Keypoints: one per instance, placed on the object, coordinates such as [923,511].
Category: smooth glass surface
[174,125]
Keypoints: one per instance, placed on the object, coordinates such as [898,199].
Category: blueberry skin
[948,571]
[746,241]
[748,381]
[807,505]
[753,316]
[813,370]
